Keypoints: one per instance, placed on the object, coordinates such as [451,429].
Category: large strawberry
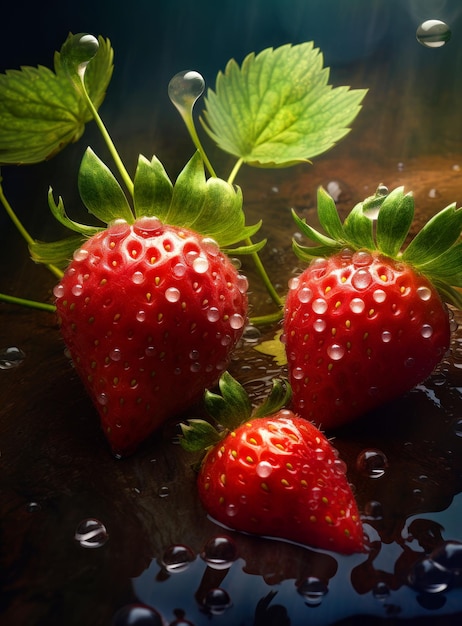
[149,311]
[366,322]
[269,472]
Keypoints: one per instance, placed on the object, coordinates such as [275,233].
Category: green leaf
[232,407]
[274,348]
[100,191]
[438,234]
[212,207]
[393,221]
[197,435]
[57,253]
[41,111]
[358,229]
[277,108]
[446,267]
[152,192]
[279,397]
[60,214]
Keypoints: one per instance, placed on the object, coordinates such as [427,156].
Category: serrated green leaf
[152,192]
[313,234]
[358,229]
[438,234]
[279,396]
[393,221]
[274,348]
[446,267]
[232,407]
[277,108]
[100,190]
[250,249]
[57,253]
[197,435]
[41,111]
[308,253]
[60,214]
[212,207]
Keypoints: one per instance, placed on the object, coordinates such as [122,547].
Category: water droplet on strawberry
[210,246]
[200,264]
[426,331]
[294,283]
[213,314]
[58,291]
[319,306]
[242,283]
[91,533]
[298,373]
[177,558]
[102,399]
[236,321]
[77,289]
[361,279]
[11,357]
[148,227]
[335,351]
[219,552]
[304,295]
[372,463]
[264,469]
[115,354]
[362,258]
[319,325]
[138,278]
[141,316]
[379,296]
[357,305]
[179,270]
[424,293]
[386,336]
[80,254]
[172,294]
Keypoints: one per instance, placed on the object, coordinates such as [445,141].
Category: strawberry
[149,313]
[365,322]
[272,473]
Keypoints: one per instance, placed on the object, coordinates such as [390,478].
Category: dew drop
[148,227]
[231,510]
[361,279]
[424,293]
[386,336]
[137,615]
[138,278]
[185,88]
[304,295]
[264,469]
[91,533]
[11,357]
[177,558]
[213,314]
[172,294]
[210,246]
[77,289]
[319,325]
[426,331]
[141,316]
[217,601]
[200,264]
[242,283]
[379,296]
[372,463]
[319,306]
[357,305]
[219,552]
[80,254]
[362,258]
[298,373]
[179,270]
[433,33]
[428,576]
[294,283]
[236,321]
[58,291]
[313,591]
[102,399]
[115,354]
[335,351]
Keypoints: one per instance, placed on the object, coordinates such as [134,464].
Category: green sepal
[313,234]
[394,221]
[232,407]
[212,207]
[279,396]
[250,249]
[152,193]
[198,435]
[446,267]
[448,293]
[101,192]
[60,214]
[328,216]
[57,253]
[358,228]
[438,234]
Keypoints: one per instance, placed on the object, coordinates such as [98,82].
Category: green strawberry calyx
[228,410]
[382,223]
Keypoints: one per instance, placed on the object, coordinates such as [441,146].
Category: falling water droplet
[185,88]
[177,558]
[433,33]
[11,358]
[91,533]
[219,552]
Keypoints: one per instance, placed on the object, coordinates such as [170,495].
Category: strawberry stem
[33,304]
[263,320]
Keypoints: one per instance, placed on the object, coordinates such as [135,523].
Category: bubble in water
[137,615]
[217,601]
[11,357]
[91,533]
[219,552]
[372,463]
[177,558]
[185,88]
[313,591]
[433,33]
[428,576]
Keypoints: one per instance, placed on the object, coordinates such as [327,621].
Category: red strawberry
[275,475]
[149,313]
[367,324]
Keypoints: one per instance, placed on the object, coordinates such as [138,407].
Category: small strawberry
[272,473]
[149,313]
[368,323]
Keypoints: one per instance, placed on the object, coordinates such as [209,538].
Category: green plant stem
[189,122]
[235,170]
[33,304]
[110,144]
[275,297]
[23,232]
[264,320]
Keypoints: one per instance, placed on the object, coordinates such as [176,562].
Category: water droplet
[242,283]
[219,552]
[102,398]
[449,556]
[372,463]
[319,306]
[319,325]
[381,591]
[172,294]
[236,321]
[426,331]
[251,333]
[424,293]
[361,279]
[457,427]
[80,254]
[185,88]
[115,354]
[137,615]
[362,258]
[313,591]
[217,601]
[213,314]
[373,510]
[177,558]
[11,357]
[77,289]
[58,291]
[298,373]
[357,305]
[148,227]
[163,492]
[91,533]
[138,278]
[304,295]
[428,576]
[264,469]
[294,283]
[334,190]
[433,33]
[210,246]
[33,507]
[141,316]
[379,296]
[200,264]
[386,336]
[335,351]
